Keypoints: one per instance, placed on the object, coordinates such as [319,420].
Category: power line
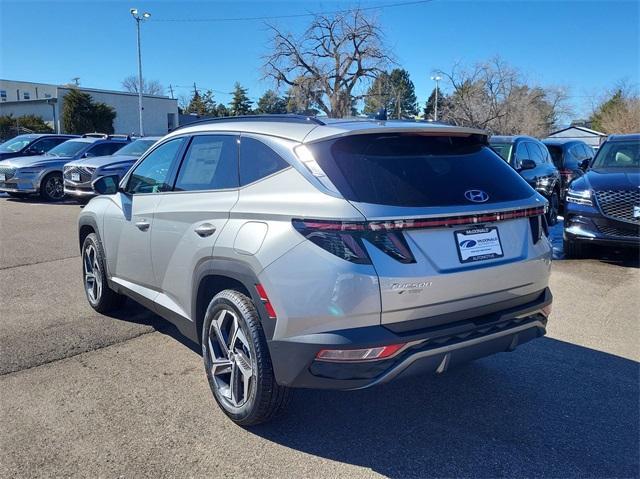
[297,15]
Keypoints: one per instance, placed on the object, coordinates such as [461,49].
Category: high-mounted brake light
[366,354]
[265,301]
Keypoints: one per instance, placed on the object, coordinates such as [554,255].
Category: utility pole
[436,78]
[138,19]
[171,90]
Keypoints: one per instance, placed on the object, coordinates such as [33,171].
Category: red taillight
[265,301]
[365,354]
[566,174]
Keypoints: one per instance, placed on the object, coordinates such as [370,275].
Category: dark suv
[603,205]
[571,157]
[532,160]
[31,144]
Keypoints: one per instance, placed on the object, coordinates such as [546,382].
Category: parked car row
[35,164]
[599,193]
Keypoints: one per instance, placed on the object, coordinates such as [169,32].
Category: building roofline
[87,89]
[582,128]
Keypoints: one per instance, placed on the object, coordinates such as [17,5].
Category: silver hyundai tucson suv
[308,253]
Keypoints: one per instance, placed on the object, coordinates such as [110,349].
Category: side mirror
[106,185]
[527,165]
[584,164]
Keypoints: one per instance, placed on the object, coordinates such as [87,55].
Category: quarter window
[211,163]
[153,174]
[257,161]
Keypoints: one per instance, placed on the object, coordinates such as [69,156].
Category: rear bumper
[432,349]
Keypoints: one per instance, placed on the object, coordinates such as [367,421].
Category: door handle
[205,229]
[142,225]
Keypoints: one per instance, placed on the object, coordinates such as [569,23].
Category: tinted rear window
[556,154]
[416,170]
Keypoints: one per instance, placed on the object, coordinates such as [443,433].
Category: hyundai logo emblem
[477,196]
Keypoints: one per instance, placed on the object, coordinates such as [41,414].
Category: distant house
[18,98]
[591,137]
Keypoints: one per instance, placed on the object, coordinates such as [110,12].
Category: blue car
[79,174]
[42,174]
[603,205]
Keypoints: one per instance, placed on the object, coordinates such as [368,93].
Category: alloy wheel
[231,359]
[92,274]
[54,187]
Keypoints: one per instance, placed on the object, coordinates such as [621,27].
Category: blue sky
[583,46]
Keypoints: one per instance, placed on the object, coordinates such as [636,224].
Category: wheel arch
[215,275]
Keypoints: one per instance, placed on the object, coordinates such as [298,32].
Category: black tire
[52,187]
[554,208]
[262,399]
[101,298]
[573,249]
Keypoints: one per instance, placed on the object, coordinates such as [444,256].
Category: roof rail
[95,135]
[287,118]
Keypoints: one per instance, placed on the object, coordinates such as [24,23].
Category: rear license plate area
[478,244]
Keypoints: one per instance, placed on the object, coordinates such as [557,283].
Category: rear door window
[211,163]
[416,170]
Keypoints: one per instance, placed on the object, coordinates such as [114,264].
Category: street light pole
[138,19]
[436,78]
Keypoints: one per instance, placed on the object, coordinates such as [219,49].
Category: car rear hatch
[452,231]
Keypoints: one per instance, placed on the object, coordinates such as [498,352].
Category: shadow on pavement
[549,409]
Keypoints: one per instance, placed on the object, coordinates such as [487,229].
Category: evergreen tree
[613,104]
[80,114]
[271,103]
[11,125]
[202,105]
[240,103]
[430,106]
[393,91]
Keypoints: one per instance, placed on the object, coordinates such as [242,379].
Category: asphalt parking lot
[86,395]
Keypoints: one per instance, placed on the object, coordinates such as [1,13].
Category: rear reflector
[368,354]
[265,301]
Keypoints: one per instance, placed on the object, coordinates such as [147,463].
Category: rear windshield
[556,154]
[417,170]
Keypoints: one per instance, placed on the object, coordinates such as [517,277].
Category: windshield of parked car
[136,148]
[417,170]
[15,144]
[618,154]
[503,149]
[68,148]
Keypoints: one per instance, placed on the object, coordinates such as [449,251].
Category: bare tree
[618,110]
[333,57]
[149,87]
[495,96]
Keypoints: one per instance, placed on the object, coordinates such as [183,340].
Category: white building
[591,137]
[18,98]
